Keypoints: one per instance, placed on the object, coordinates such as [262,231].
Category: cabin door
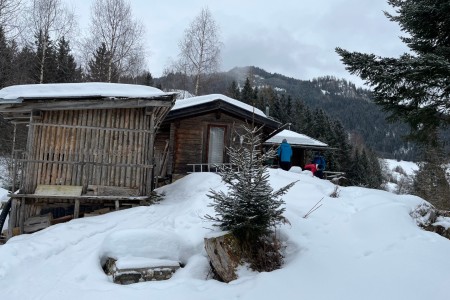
[216,144]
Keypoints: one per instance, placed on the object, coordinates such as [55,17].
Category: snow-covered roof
[294,139]
[188,102]
[16,93]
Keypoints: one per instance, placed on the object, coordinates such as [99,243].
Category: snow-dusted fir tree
[250,209]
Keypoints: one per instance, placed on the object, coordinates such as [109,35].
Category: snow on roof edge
[17,93]
[193,101]
[295,138]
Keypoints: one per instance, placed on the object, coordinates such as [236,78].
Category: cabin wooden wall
[107,147]
[190,139]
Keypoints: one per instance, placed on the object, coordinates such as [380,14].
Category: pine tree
[233,91]
[148,79]
[98,66]
[413,87]
[45,58]
[6,59]
[66,65]
[247,92]
[250,209]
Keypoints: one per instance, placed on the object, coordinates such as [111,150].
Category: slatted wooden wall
[107,147]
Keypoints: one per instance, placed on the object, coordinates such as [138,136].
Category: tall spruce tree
[415,86]
[233,90]
[99,66]
[250,209]
[247,92]
[6,59]
[66,65]
[45,59]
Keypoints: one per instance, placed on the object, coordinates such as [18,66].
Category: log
[224,255]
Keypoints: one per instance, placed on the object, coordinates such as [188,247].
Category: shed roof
[19,93]
[19,101]
[296,140]
[189,102]
[195,106]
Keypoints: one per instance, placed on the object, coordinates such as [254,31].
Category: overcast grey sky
[295,38]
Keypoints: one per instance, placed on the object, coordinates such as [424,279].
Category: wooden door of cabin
[216,144]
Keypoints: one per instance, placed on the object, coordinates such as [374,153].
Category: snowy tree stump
[224,255]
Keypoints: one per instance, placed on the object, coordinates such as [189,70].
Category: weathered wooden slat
[81,149]
[81,198]
[58,190]
[76,209]
[36,223]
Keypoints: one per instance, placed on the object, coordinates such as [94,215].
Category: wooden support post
[76,210]
[117,204]
[12,218]
[150,149]
[22,215]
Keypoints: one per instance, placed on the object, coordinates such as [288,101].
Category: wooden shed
[194,135]
[300,144]
[89,144]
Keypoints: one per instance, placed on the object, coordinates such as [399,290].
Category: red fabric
[311,167]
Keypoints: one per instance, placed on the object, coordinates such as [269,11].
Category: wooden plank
[76,209]
[36,223]
[150,148]
[70,148]
[140,145]
[117,204]
[106,144]
[125,129]
[22,215]
[12,218]
[58,190]
[25,107]
[119,149]
[81,175]
[81,198]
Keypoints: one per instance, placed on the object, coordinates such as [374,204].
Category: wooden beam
[63,104]
[22,215]
[76,210]
[85,197]
[90,127]
[12,218]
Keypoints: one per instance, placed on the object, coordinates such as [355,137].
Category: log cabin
[89,146]
[194,135]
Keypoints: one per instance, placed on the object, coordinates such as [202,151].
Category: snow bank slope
[362,245]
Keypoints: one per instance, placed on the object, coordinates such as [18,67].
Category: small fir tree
[250,209]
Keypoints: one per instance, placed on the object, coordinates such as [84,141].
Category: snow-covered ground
[361,245]
[400,174]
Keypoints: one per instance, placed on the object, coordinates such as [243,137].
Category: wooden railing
[209,167]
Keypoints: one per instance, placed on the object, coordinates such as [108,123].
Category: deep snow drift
[361,245]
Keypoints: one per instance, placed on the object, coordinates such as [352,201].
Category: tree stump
[224,255]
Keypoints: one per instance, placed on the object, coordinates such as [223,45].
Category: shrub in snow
[251,209]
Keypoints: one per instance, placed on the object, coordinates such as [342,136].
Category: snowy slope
[362,245]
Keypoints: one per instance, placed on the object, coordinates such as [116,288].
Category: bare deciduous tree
[9,10]
[48,20]
[200,48]
[112,23]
